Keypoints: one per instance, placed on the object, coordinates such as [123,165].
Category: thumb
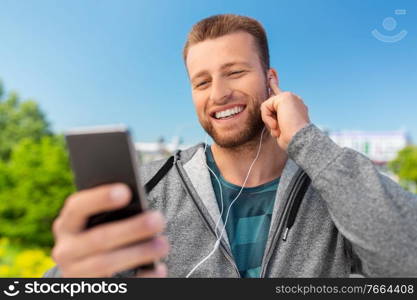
[273,83]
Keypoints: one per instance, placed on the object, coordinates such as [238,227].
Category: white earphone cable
[217,243]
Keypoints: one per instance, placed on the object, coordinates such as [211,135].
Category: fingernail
[119,193]
[159,243]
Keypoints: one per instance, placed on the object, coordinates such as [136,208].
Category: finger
[269,115]
[275,133]
[115,234]
[269,120]
[273,83]
[160,271]
[106,264]
[80,206]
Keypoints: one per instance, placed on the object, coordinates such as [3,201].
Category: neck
[234,163]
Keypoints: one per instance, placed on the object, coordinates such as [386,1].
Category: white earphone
[269,88]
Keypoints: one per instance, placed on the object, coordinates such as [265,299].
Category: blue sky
[102,62]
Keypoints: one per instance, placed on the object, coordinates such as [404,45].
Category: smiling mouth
[228,113]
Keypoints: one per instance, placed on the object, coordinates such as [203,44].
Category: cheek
[199,104]
[250,85]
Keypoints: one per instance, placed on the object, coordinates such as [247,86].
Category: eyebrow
[224,66]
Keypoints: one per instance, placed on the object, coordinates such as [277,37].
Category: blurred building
[380,146]
[160,149]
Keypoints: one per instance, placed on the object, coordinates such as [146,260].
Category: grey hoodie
[352,219]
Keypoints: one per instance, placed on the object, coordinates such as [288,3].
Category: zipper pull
[285,234]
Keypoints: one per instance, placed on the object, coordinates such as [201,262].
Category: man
[350,218]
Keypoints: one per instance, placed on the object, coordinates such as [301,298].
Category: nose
[220,92]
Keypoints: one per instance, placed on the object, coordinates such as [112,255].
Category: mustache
[244,98]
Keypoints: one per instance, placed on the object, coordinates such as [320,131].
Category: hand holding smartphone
[103,155]
[94,235]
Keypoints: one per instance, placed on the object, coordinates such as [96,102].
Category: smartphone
[102,155]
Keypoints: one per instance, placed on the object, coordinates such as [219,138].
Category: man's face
[228,87]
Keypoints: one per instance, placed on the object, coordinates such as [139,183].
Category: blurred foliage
[19,262]
[19,120]
[35,177]
[1,89]
[405,167]
[33,185]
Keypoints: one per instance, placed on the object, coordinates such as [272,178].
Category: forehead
[213,53]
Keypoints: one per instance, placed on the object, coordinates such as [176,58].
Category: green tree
[19,120]
[405,167]
[1,89]
[33,185]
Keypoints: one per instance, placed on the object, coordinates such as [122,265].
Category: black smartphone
[102,155]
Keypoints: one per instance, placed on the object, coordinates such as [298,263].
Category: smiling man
[272,197]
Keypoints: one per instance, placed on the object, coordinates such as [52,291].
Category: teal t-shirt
[249,218]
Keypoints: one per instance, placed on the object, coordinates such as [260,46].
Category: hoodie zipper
[298,196]
[223,248]
[284,216]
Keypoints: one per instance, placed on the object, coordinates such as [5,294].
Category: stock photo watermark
[390,24]
[11,289]
[71,289]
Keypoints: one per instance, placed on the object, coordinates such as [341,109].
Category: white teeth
[228,112]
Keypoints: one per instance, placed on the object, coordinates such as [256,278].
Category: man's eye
[201,83]
[236,72]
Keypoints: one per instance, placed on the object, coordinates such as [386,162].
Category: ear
[271,74]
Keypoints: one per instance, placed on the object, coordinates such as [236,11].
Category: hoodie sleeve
[374,214]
